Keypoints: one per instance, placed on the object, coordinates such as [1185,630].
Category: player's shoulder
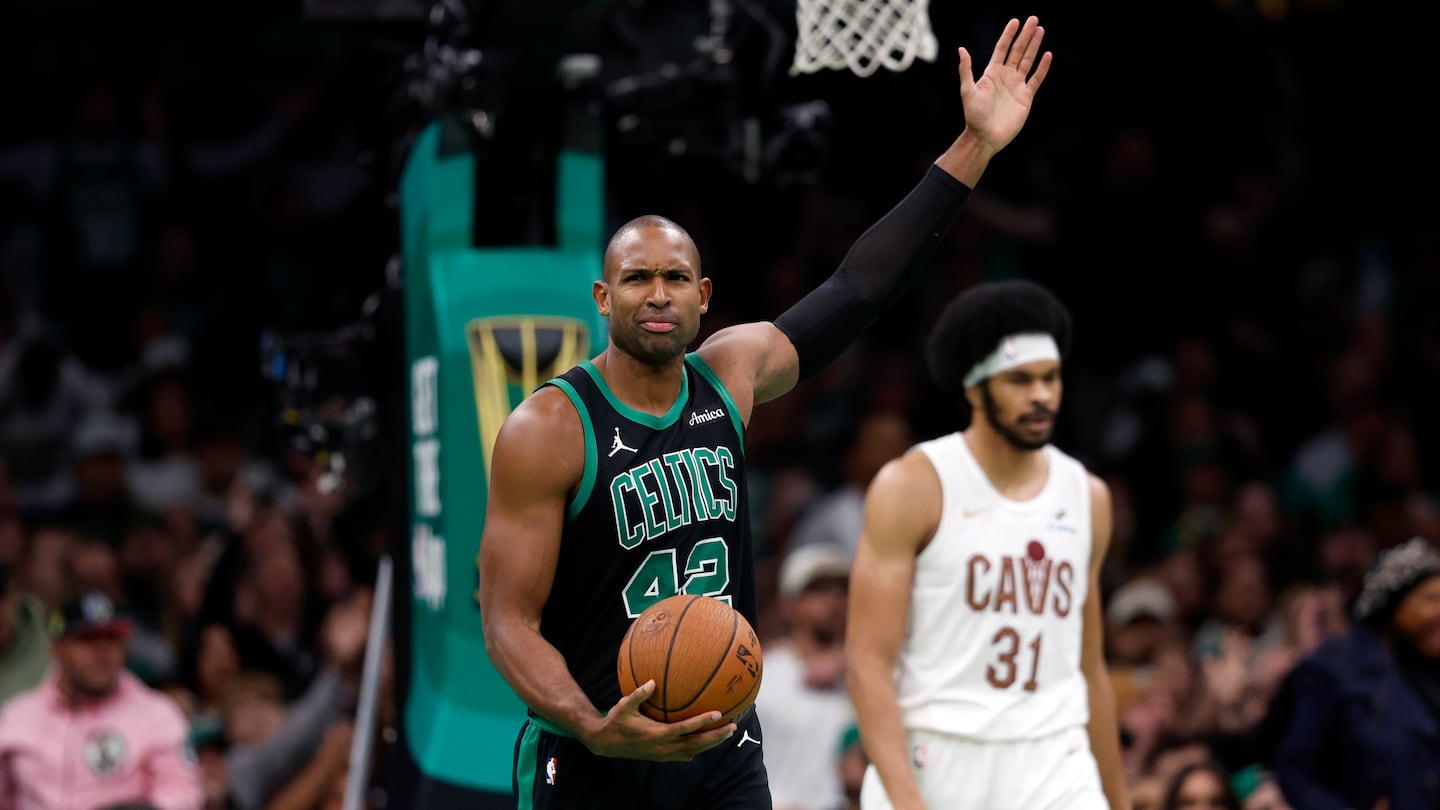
[903,504]
[546,410]
[1099,490]
[1094,483]
[912,474]
[732,351]
[547,419]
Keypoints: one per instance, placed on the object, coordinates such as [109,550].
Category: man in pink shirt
[91,735]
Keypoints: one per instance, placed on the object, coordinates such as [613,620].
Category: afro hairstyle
[973,324]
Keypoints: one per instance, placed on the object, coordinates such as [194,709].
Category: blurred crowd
[163,529]
[1255,360]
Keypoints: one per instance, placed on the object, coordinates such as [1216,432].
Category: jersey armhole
[587,480]
[704,370]
[934,455]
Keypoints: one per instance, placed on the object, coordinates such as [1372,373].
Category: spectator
[43,566]
[837,516]
[91,735]
[1201,786]
[1147,793]
[215,663]
[24,647]
[271,743]
[1259,790]
[1366,705]
[1139,619]
[273,604]
[165,472]
[1243,603]
[102,507]
[147,557]
[1173,757]
[804,704]
[44,398]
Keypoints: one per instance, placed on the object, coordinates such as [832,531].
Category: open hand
[997,105]
[627,734]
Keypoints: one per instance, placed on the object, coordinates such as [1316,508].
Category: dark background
[1233,198]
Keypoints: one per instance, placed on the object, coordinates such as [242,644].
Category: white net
[862,35]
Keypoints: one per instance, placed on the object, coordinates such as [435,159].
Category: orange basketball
[702,653]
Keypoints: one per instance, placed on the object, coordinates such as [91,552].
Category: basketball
[703,655]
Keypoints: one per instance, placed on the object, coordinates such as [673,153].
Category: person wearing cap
[975,648]
[1140,625]
[1365,713]
[803,702]
[24,645]
[92,735]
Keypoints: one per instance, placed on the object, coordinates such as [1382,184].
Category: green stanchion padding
[483,328]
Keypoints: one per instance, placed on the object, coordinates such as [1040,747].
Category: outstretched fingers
[1038,76]
[1017,52]
[1002,45]
[1032,47]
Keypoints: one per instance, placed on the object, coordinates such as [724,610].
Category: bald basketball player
[622,481]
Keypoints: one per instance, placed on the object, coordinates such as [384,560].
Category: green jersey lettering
[676,462]
[631,533]
[674,491]
[727,463]
[649,497]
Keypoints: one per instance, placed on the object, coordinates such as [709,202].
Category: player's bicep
[1102,523]
[1092,638]
[525,511]
[901,513]
[755,359]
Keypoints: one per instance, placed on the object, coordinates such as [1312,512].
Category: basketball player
[973,652]
[622,481]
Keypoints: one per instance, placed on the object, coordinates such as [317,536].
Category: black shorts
[554,771]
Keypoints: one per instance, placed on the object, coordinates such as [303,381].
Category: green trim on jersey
[587,481]
[525,766]
[655,422]
[708,373]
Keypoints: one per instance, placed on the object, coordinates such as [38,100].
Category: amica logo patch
[701,417]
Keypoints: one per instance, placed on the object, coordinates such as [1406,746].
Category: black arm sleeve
[874,273]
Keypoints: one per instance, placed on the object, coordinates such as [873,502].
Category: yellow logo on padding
[521,351]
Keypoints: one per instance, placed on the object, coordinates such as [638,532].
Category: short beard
[632,345]
[1012,438]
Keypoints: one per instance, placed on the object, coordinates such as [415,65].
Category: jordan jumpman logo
[618,445]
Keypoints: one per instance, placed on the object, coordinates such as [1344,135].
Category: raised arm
[529,490]
[761,361]
[1104,727]
[902,509]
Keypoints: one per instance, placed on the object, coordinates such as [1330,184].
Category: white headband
[1015,350]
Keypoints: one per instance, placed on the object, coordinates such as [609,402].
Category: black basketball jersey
[661,509]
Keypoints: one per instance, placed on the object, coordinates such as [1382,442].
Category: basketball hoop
[861,35]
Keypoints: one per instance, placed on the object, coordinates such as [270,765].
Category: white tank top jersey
[993,641]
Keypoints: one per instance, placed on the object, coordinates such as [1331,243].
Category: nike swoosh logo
[970,512]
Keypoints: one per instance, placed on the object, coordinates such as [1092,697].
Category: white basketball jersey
[992,646]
